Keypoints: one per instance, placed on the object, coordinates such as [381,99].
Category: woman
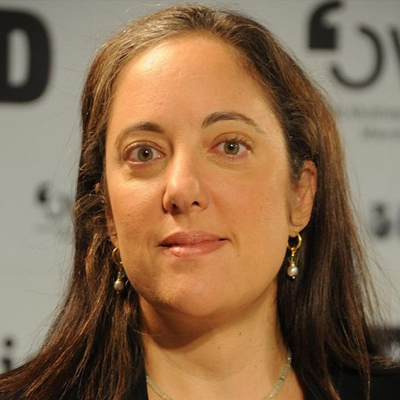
[216,254]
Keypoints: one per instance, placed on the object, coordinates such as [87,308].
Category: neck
[238,357]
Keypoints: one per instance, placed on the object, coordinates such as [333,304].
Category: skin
[193,146]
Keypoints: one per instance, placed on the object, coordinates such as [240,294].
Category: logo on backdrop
[37,70]
[6,357]
[384,219]
[324,36]
[56,207]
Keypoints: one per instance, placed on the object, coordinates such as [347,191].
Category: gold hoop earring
[292,270]
[120,283]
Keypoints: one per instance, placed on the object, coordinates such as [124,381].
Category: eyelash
[141,145]
[237,140]
[240,141]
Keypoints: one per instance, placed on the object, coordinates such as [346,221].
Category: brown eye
[143,154]
[232,147]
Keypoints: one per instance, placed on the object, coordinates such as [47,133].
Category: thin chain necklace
[271,395]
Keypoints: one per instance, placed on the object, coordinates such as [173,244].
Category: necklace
[271,395]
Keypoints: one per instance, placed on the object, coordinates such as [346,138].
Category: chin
[186,307]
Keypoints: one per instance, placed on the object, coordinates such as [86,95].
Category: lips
[193,243]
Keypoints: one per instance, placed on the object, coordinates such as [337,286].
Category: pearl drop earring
[292,270]
[120,282]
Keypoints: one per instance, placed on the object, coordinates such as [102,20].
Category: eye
[232,147]
[142,153]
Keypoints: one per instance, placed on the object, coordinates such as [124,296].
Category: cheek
[135,217]
[133,206]
[262,198]
[259,216]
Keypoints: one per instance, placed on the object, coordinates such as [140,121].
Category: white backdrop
[351,48]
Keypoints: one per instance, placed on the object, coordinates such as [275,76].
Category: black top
[348,384]
[350,387]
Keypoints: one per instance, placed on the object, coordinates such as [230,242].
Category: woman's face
[198,181]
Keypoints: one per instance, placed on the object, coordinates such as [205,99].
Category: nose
[185,189]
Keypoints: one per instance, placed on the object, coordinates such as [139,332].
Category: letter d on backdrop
[38,67]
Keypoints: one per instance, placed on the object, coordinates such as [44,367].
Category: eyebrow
[230,116]
[142,126]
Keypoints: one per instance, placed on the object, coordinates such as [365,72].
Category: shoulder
[350,386]
[383,385]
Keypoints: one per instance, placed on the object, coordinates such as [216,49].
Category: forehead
[185,55]
[186,47]
[190,68]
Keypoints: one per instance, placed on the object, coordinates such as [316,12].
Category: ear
[303,194]
[112,231]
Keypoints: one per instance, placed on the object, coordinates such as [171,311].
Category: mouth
[194,243]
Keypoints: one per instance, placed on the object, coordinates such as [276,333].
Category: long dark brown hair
[94,349]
